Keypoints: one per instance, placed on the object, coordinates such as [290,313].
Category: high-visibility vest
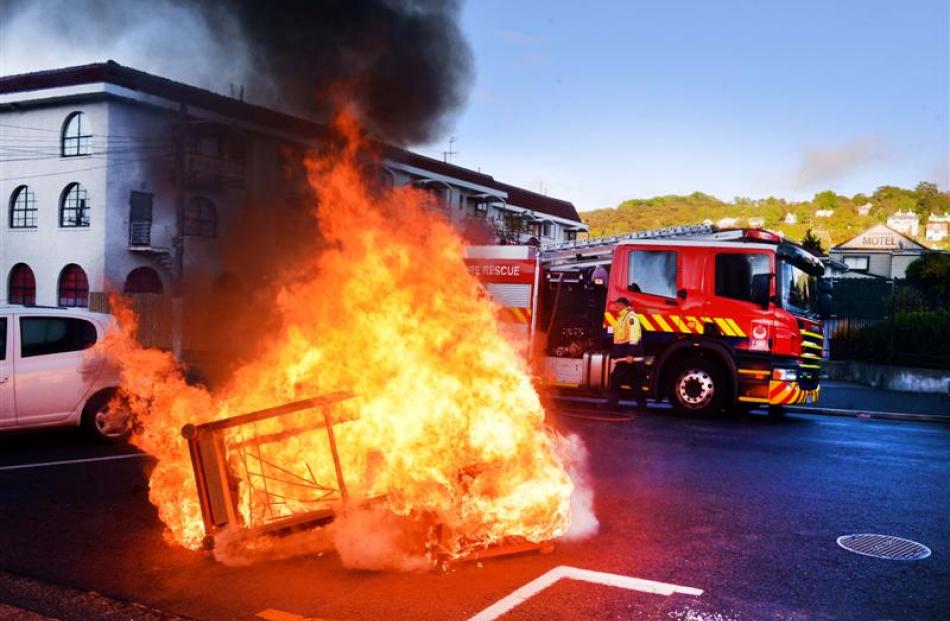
[627,329]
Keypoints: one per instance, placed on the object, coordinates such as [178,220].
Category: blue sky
[597,102]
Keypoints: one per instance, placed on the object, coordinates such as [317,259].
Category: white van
[50,375]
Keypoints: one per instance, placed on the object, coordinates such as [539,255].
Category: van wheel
[698,388]
[102,422]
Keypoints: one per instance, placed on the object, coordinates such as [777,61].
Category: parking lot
[699,519]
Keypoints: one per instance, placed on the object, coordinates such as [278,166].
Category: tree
[826,200]
[925,188]
[812,244]
[931,274]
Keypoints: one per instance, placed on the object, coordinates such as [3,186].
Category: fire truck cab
[729,319]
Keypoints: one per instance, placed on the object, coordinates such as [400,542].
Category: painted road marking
[272,614]
[585,575]
[73,461]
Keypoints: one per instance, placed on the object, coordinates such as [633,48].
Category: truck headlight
[785,375]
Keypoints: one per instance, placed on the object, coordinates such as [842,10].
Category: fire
[447,429]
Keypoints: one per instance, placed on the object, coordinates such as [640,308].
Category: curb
[52,602]
[864,415]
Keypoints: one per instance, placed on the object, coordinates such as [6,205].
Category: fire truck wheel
[100,421]
[698,388]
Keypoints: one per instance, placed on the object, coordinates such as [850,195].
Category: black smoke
[403,64]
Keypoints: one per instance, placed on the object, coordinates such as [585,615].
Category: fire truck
[729,318]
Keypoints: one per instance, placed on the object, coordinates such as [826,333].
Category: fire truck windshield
[798,289]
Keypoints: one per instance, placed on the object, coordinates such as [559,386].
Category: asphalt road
[746,510]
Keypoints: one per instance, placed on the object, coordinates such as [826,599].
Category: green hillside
[845,222]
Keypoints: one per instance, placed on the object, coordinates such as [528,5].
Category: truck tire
[698,387]
[98,422]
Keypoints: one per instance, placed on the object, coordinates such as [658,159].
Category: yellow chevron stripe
[810,366]
[519,317]
[724,326]
[779,399]
[680,324]
[662,323]
[812,345]
[753,399]
[813,335]
[609,319]
[695,324]
[735,327]
[807,355]
[645,323]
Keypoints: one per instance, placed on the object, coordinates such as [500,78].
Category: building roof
[881,238]
[114,73]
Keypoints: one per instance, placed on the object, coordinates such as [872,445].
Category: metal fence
[888,322]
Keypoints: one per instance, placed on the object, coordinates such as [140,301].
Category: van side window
[42,336]
[653,272]
[3,338]
[735,274]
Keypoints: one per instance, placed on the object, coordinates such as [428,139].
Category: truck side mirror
[824,305]
[760,289]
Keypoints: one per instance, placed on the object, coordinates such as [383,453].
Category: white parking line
[73,461]
[574,573]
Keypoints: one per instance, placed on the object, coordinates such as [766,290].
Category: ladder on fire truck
[600,249]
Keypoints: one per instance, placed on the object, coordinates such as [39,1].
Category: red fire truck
[730,319]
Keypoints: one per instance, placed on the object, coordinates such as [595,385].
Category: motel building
[879,252]
[98,161]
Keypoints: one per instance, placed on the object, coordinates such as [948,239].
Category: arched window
[74,206]
[143,280]
[23,208]
[21,286]
[73,286]
[201,218]
[77,135]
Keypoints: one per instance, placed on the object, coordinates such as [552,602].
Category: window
[653,272]
[857,263]
[42,336]
[77,136]
[3,338]
[735,275]
[74,206]
[23,208]
[21,287]
[201,218]
[143,280]
[73,286]
[547,229]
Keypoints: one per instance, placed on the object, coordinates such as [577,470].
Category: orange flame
[447,423]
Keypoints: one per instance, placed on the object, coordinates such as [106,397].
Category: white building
[906,222]
[864,209]
[98,160]
[756,223]
[824,213]
[727,223]
[879,251]
[791,218]
[938,227]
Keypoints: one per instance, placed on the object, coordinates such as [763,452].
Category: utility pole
[179,241]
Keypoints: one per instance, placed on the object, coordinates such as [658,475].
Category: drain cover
[884,546]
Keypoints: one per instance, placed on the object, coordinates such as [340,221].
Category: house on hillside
[824,213]
[938,227]
[727,223]
[906,222]
[790,218]
[756,223]
[864,209]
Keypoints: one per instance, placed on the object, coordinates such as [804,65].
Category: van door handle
[671,302]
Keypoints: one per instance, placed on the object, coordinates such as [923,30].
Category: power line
[77,170]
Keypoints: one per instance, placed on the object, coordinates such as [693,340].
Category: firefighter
[627,350]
